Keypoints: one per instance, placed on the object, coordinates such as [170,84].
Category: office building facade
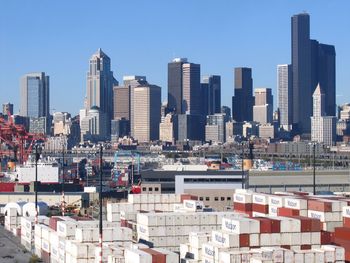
[100,82]
[211,95]
[146,113]
[35,95]
[243,100]
[285,96]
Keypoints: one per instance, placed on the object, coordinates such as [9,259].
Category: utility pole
[63,201]
[314,177]
[100,198]
[242,166]
[37,157]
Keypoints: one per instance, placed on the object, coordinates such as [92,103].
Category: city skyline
[262,51]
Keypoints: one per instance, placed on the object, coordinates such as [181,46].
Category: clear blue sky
[141,37]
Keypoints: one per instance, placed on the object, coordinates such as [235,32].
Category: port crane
[15,141]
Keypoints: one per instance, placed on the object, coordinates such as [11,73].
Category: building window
[156,189]
[144,189]
[150,189]
[222,198]
[216,198]
[229,198]
[207,199]
[201,198]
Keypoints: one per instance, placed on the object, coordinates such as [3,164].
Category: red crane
[17,140]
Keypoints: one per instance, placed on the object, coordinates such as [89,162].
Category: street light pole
[242,166]
[63,199]
[314,168]
[37,157]
[100,198]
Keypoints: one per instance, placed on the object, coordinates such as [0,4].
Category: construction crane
[19,143]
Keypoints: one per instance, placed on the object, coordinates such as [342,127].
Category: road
[11,251]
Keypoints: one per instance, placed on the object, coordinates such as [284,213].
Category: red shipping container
[283,211]
[345,243]
[123,223]
[326,237]
[342,233]
[53,222]
[346,222]
[157,257]
[305,247]
[242,207]
[319,205]
[7,187]
[260,208]
[244,240]
[268,225]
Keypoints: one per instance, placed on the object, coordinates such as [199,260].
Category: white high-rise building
[263,108]
[323,128]
[284,84]
[100,83]
[93,126]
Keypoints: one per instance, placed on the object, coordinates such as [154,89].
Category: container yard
[281,227]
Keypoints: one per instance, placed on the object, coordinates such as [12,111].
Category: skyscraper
[301,72]
[323,71]
[243,100]
[312,63]
[323,127]
[211,94]
[285,95]
[175,84]
[263,108]
[184,87]
[146,113]
[100,83]
[35,95]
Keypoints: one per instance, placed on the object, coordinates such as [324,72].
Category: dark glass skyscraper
[301,73]
[184,87]
[35,95]
[211,94]
[175,84]
[323,73]
[243,100]
[313,63]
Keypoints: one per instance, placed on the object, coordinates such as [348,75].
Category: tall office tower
[35,95]
[184,87]
[323,128]
[323,71]
[211,95]
[285,96]
[100,82]
[263,96]
[263,108]
[243,100]
[146,113]
[301,72]
[175,89]
[7,108]
[190,128]
[121,101]
[61,123]
[215,128]
[191,103]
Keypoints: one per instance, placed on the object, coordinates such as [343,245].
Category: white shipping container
[137,256]
[243,198]
[346,211]
[260,199]
[295,203]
